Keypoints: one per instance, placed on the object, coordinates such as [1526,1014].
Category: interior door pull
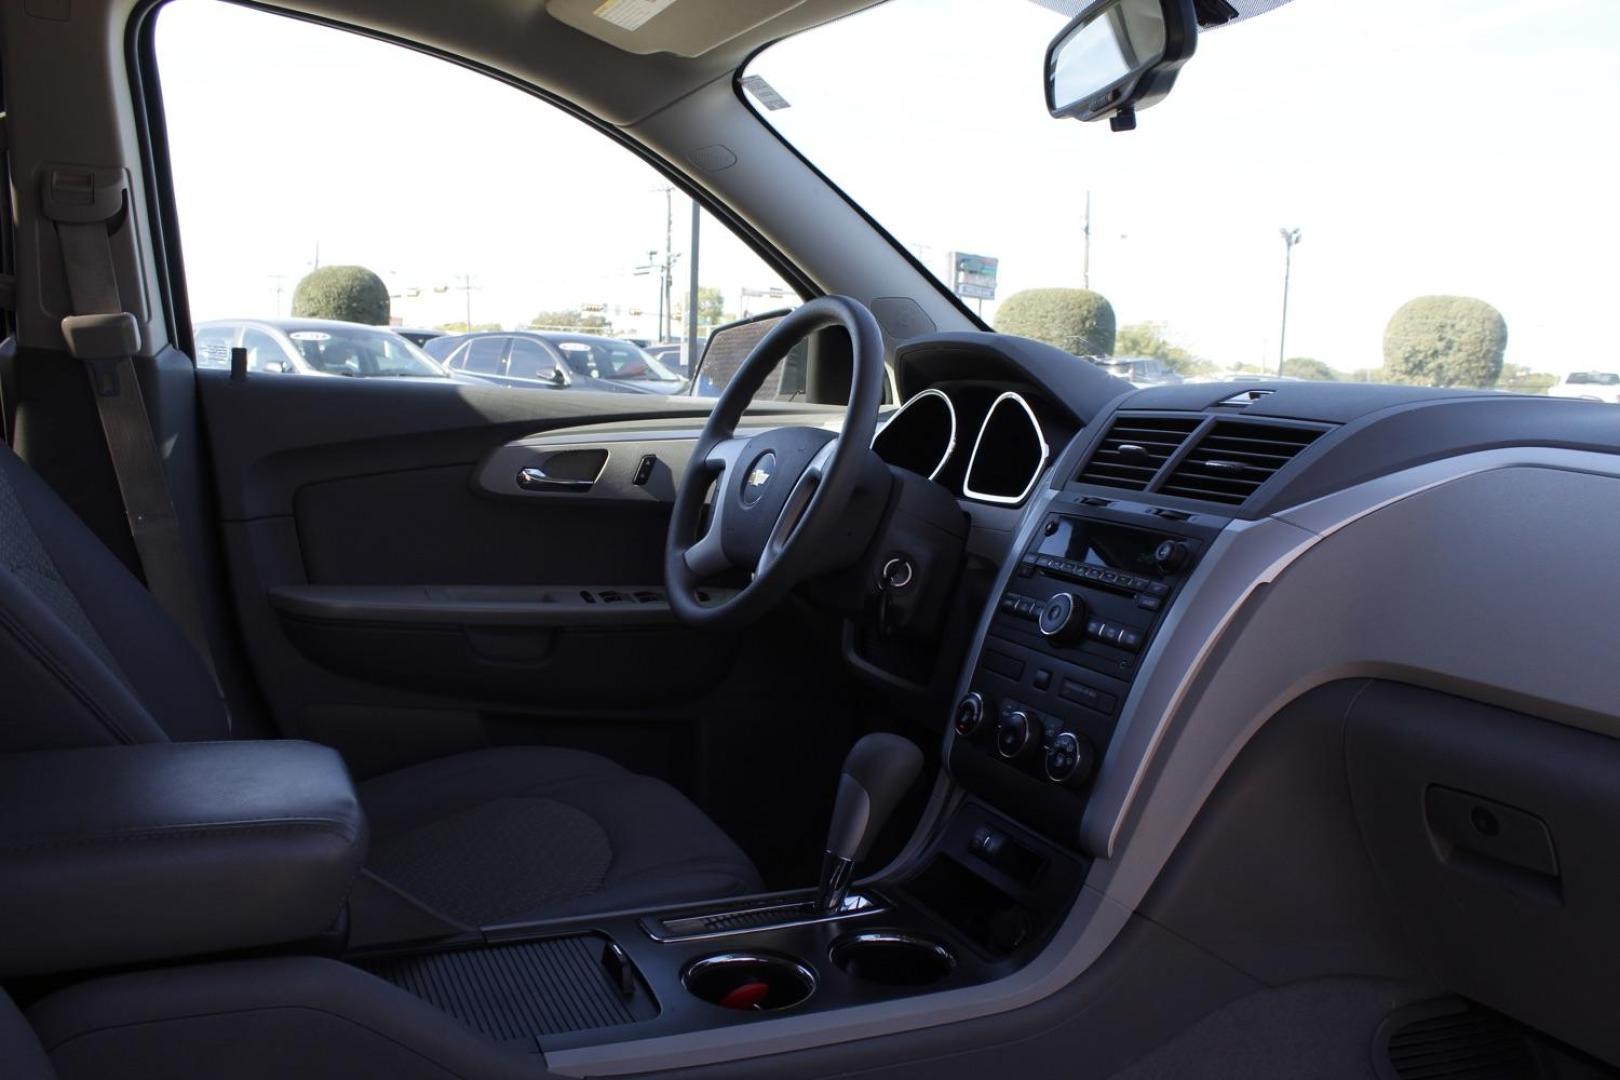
[534,479]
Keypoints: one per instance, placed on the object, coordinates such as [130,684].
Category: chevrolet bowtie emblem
[758,478]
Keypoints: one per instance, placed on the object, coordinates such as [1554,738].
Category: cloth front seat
[87,658]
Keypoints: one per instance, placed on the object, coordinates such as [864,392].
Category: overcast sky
[1454,146]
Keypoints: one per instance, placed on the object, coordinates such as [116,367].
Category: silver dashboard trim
[1040,468]
[950,409]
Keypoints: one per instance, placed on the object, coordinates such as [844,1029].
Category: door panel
[376,576]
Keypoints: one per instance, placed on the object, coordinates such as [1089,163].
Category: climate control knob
[969,714]
[1015,734]
[1063,619]
[1069,757]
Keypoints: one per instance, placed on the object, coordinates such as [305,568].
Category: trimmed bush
[1075,320]
[1306,367]
[1445,341]
[349,293]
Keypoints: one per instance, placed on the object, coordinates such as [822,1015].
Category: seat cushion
[526,833]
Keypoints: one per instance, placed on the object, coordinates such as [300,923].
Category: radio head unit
[1064,645]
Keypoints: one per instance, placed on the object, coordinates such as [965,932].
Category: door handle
[535,479]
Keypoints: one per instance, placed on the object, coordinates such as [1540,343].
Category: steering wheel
[779,493]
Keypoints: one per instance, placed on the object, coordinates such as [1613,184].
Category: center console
[1065,642]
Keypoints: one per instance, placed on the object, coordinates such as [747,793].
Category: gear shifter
[877,773]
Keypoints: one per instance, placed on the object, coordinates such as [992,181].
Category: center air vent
[1134,449]
[1234,458]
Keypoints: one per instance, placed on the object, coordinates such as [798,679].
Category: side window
[605,254]
[530,360]
[263,352]
[483,356]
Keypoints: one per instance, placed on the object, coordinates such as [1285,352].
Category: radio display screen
[1103,544]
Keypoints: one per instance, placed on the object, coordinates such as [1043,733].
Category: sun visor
[682,27]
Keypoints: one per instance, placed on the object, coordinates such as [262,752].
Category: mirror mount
[1118,56]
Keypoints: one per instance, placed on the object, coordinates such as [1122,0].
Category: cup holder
[751,982]
[892,958]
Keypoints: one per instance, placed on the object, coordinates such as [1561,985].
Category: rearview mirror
[1118,56]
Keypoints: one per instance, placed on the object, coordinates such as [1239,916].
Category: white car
[313,347]
[1589,386]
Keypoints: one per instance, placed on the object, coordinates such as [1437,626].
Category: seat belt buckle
[79,195]
[109,336]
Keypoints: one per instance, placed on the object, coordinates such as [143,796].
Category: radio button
[1089,696]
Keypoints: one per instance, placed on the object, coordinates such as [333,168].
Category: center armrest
[116,854]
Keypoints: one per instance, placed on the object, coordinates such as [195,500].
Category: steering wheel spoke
[793,511]
[707,558]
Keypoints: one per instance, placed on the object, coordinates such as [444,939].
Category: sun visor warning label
[764,92]
[631,14]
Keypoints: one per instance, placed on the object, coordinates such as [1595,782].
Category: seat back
[86,655]
[23,1057]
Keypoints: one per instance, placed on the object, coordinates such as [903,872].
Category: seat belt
[83,204]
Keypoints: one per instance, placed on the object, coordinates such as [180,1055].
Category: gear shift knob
[877,774]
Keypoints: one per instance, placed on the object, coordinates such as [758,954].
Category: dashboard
[1108,512]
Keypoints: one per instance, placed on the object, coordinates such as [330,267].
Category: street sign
[973,276]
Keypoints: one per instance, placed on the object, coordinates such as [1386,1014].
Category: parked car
[535,358]
[672,355]
[1589,386]
[1139,370]
[417,335]
[314,347]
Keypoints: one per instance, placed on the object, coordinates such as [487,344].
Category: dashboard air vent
[1134,449]
[1234,458]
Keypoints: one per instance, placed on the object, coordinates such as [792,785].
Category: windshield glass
[1434,181]
[603,358]
[362,353]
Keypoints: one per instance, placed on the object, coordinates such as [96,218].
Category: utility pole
[1290,237]
[1085,270]
[466,288]
[277,278]
[669,263]
[692,291]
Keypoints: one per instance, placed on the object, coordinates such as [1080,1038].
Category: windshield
[1432,183]
[604,358]
[362,353]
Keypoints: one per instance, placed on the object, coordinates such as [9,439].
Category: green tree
[1076,320]
[568,320]
[349,293]
[1521,380]
[1147,339]
[1445,341]
[462,328]
[711,305]
[1305,367]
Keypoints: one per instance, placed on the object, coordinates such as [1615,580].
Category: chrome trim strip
[1040,467]
[856,905]
[950,410]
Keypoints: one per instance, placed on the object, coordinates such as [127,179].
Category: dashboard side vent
[1134,449]
[1234,458]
